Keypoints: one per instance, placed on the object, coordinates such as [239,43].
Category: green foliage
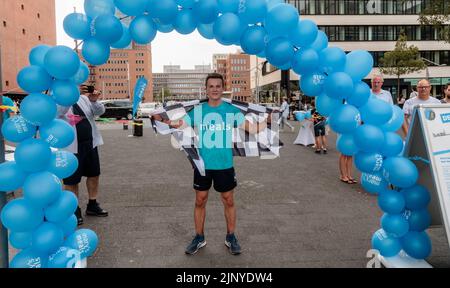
[437,13]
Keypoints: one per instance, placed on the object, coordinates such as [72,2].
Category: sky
[167,49]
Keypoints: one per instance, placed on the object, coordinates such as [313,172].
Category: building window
[39,16]
[4,23]
[39,37]
[23,31]
[23,7]
[7,83]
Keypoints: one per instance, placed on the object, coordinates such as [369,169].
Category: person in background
[85,148]
[285,114]
[446,99]
[401,101]
[6,101]
[319,130]
[424,97]
[378,92]
[346,169]
[413,93]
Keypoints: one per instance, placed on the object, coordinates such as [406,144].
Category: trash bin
[138,127]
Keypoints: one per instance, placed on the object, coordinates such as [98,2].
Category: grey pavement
[292,211]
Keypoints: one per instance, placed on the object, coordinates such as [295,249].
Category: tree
[402,60]
[437,13]
[159,96]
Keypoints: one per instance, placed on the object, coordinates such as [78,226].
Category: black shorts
[224,180]
[319,129]
[88,166]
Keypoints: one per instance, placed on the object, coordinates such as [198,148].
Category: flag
[139,91]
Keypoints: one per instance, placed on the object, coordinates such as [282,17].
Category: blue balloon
[376,112]
[33,155]
[16,129]
[47,238]
[327,105]
[373,183]
[320,43]
[20,240]
[360,95]
[417,197]
[69,226]
[262,54]
[332,59]
[305,33]
[419,220]
[400,172]
[186,3]
[143,29]
[391,202]
[279,51]
[82,75]
[396,121]
[95,51]
[20,216]
[299,116]
[417,244]
[64,207]
[206,30]
[164,11]
[37,55]
[107,28]
[84,240]
[64,257]
[387,246]
[395,225]
[38,109]
[58,133]
[77,26]
[273,3]
[34,79]
[65,93]
[393,144]
[346,145]
[359,64]
[228,29]
[63,164]
[369,138]
[164,28]
[11,177]
[339,85]
[345,119]
[252,11]
[206,11]
[94,8]
[368,162]
[305,61]
[131,7]
[29,258]
[185,22]
[253,40]
[42,189]
[312,84]
[281,20]
[125,40]
[61,62]
[228,6]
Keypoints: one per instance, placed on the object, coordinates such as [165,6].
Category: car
[118,109]
[146,108]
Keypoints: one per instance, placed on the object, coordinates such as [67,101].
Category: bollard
[125,125]
[138,128]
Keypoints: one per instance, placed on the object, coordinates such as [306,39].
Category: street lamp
[431,62]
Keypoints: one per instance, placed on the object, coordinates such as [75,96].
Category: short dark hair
[446,86]
[214,76]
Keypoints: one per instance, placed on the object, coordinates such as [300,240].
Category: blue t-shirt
[7,102]
[215,126]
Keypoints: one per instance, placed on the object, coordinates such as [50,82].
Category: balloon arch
[42,223]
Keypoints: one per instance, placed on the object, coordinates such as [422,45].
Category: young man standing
[215,121]
[285,114]
[446,99]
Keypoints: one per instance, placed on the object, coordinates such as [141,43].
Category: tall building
[374,25]
[117,78]
[23,25]
[181,84]
[236,71]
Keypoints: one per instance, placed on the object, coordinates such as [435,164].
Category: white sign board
[428,145]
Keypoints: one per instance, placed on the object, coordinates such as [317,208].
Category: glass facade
[359,7]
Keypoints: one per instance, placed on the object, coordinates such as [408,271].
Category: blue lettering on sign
[445,118]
